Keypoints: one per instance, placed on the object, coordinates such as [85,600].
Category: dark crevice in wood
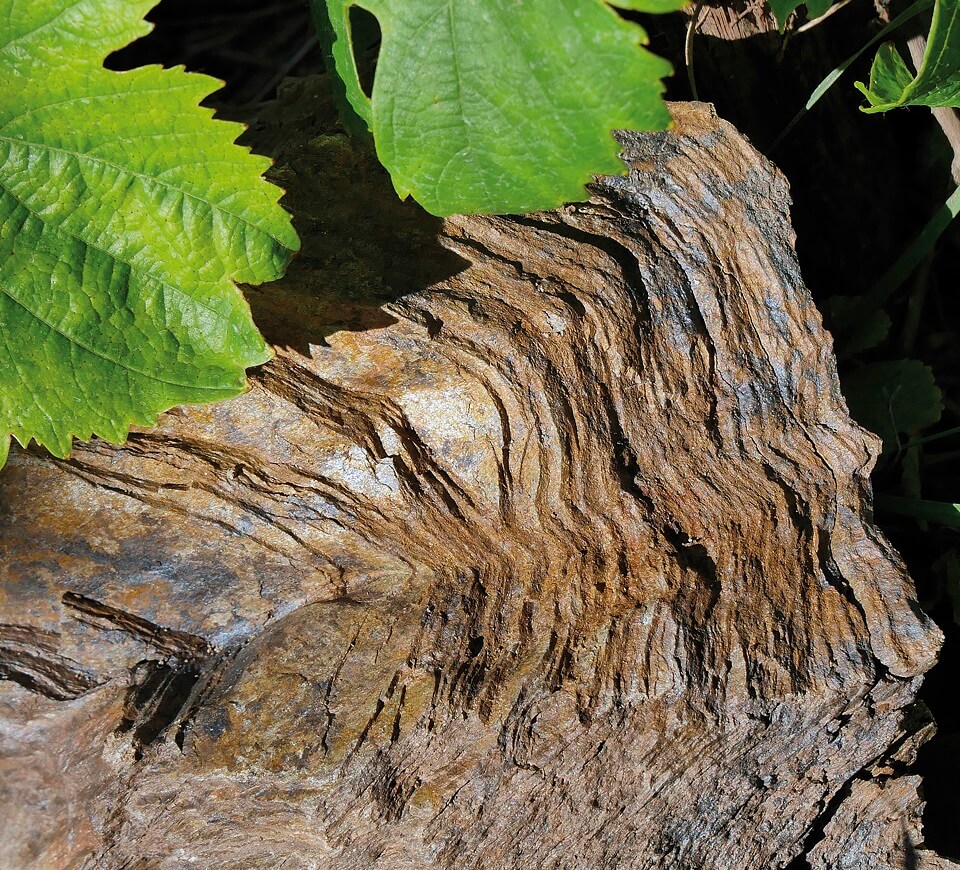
[167,640]
[29,656]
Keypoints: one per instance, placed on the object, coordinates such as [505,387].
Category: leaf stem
[945,116]
[935,437]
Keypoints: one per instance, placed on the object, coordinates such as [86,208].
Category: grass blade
[834,75]
[942,513]
[913,255]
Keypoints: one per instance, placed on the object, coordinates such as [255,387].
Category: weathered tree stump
[543,542]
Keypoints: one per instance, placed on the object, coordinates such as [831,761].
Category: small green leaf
[126,215]
[832,77]
[892,397]
[500,106]
[782,9]
[937,83]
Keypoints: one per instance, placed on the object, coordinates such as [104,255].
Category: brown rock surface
[543,542]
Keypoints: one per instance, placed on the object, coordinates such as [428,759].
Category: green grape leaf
[937,83]
[654,7]
[893,396]
[497,106]
[782,9]
[126,215]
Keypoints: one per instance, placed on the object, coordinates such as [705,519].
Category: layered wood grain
[543,542]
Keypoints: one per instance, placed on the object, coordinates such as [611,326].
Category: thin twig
[811,24]
[688,49]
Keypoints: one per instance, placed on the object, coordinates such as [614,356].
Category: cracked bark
[542,542]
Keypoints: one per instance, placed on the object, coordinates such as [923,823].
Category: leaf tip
[269,353]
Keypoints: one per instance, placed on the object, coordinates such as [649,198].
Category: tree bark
[543,542]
